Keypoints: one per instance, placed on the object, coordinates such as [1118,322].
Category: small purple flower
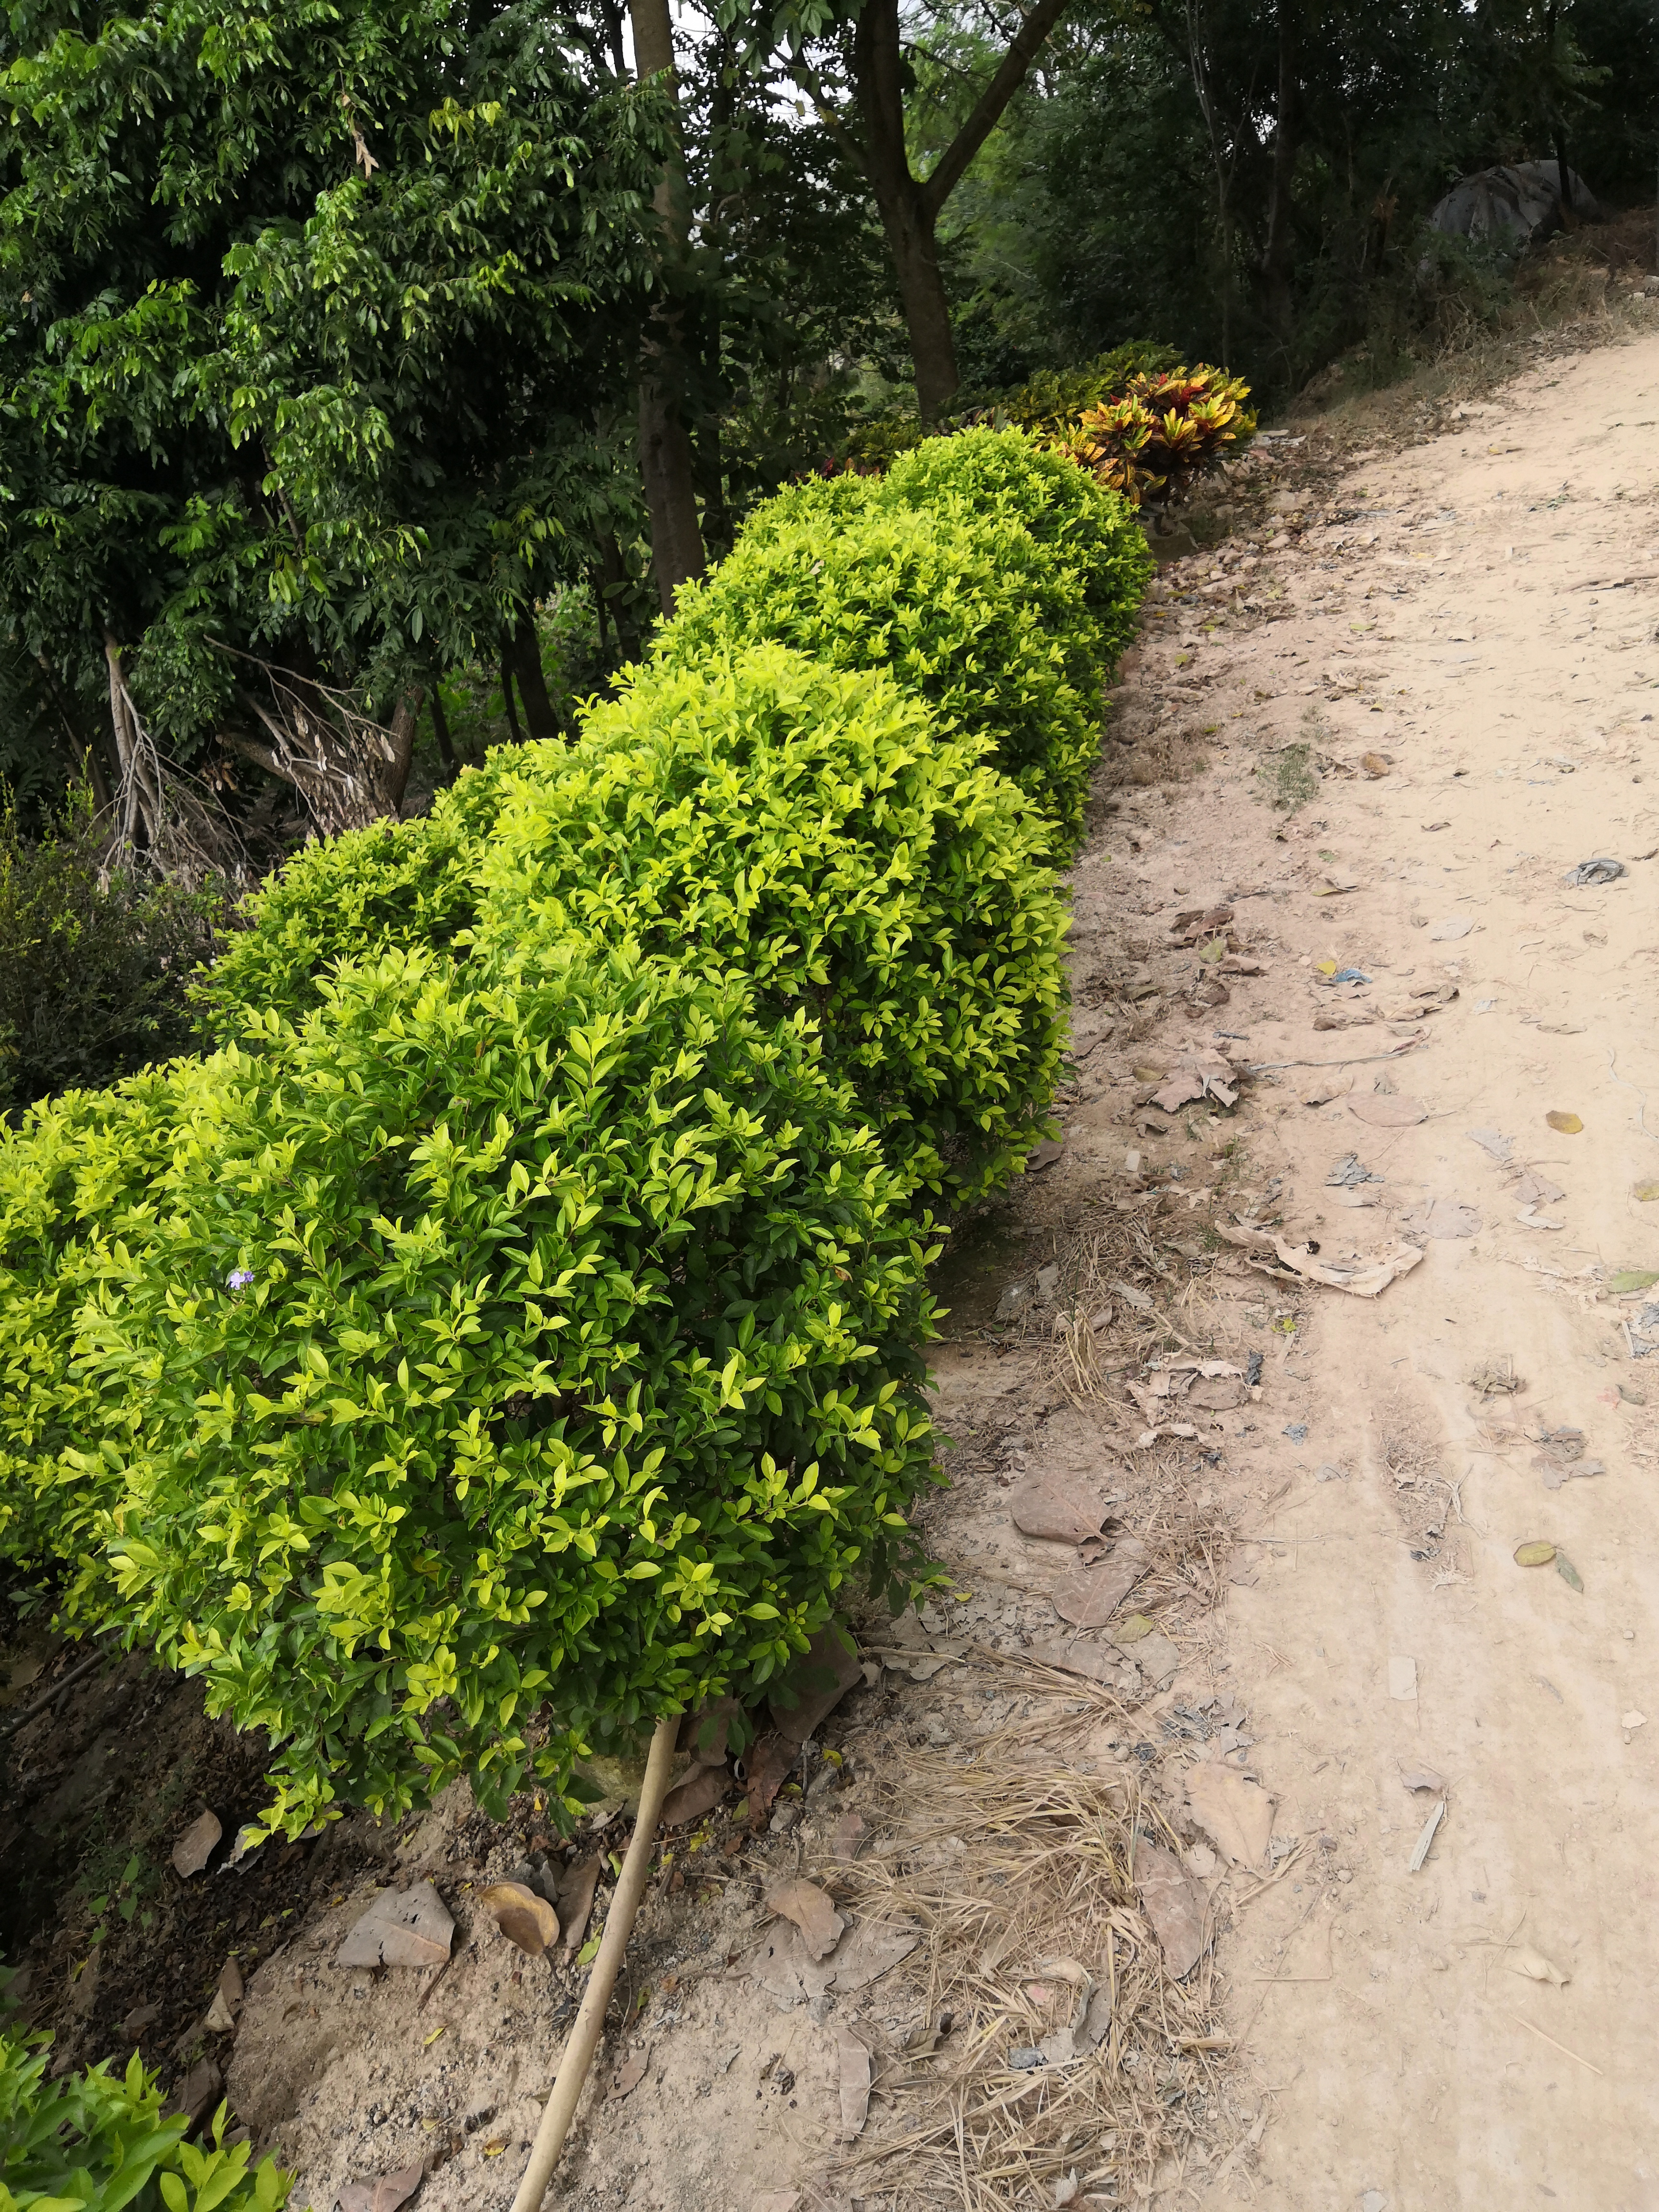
[240,1278]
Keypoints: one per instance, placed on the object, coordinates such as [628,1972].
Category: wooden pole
[584,2037]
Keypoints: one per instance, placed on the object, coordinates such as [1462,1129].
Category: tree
[851,58]
[1251,183]
[313,327]
[666,464]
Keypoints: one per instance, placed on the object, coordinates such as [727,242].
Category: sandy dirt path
[1484,611]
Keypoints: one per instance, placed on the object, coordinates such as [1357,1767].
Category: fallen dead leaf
[195,1847]
[701,1791]
[199,2092]
[524,1918]
[629,2075]
[383,2195]
[1056,1509]
[1235,1813]
[1218,1393]
[1363,1274]
[1073,1654]
[402,1928]
[855,2084]
[1442,1217]
[1089,1598]
[1386,1110]
[847,1834]
[577,1900]
[1520,1959]
[1175,1905]
[1421,1777]
[811,1909]
[814,1683]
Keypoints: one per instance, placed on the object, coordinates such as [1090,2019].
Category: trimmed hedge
[353,897]
[1094,531]
[1009,651]
[770,816]
[975,617]
[983,474]
[552,1345]
[515,1335]
[76,1179]
[97,2141]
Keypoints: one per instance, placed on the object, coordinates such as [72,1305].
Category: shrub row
[987,662]
[514,1330]
[469,1350]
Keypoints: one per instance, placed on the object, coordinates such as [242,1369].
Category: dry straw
[1011,1872]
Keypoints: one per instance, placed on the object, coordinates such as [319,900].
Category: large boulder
[1516,205]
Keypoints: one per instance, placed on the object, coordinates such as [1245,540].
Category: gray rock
[1516,205]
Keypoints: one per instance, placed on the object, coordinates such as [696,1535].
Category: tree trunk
[907,219]
[613,593]
[1276,249]
[665,463]
[440,728]
[391,771]
[539,718]
[909,208]
[507,699]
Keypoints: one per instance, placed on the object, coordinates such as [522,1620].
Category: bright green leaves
[723,812]
[385,1556]
[95,2141]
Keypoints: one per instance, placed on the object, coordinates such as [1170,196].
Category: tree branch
[261,756]
[802,74]
[988,109]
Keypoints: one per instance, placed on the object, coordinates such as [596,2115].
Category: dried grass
[1003,1869]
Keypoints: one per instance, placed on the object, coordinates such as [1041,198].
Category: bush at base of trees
[95,963]
[491,1370]
[973,616]
[809,829]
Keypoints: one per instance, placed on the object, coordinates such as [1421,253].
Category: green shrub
[1006,473]
[808,827]
[973,616]
[97,2142]
[992,474]
[501,1368]
[95,968]
[411,883]
[76,1180]
[1051,402]
[353,896]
